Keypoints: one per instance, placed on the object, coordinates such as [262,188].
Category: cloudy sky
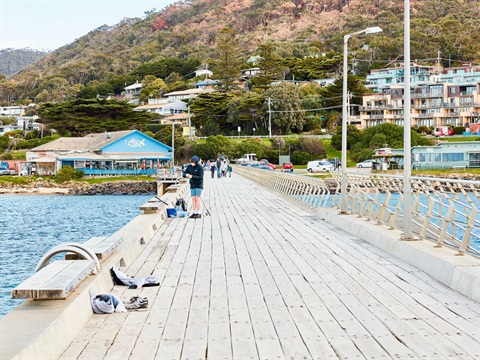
[49,24]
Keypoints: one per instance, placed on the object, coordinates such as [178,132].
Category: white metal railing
[445,211]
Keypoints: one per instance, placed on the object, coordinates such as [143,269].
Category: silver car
[4,171]
[365,164]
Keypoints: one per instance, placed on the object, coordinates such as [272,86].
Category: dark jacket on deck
[196,181]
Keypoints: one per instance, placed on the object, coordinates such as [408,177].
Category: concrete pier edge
[42,329]
[461,273]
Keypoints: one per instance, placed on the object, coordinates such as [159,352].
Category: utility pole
[189,122]
[349,110]
[173,146]
[269,118]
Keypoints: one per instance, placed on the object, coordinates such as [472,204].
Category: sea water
[461,216]
[30,225]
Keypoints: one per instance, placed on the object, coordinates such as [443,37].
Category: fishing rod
[156,197]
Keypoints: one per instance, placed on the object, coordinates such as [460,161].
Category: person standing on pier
[218,165]
[212,169]
[194,172]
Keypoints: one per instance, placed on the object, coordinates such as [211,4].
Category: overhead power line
[306,110]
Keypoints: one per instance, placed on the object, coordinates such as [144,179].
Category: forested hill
[13,60]
[299,28]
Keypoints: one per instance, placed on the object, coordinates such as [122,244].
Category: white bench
[102,246]
[54,281]
[459,167]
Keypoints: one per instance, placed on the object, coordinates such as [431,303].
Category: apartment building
[438,96]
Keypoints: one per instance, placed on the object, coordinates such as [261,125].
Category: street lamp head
[373,30]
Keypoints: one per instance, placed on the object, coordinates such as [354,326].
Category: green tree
[227,60]
[210,113]
[218,145]
[153,88]
[270,64]
[80,117]
[353,134]
[382,135]
[246,111]
[285,106]
[334,93]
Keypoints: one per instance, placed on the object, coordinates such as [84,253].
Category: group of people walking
[195,171]
[221,167]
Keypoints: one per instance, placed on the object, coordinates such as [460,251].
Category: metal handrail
[444,211]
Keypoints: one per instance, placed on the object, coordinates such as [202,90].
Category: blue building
[116,153]
[446,155]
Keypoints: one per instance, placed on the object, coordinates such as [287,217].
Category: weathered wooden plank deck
[261,278]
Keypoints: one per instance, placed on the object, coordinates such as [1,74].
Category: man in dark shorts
[194,172]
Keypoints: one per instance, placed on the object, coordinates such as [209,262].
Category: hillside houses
[449,96]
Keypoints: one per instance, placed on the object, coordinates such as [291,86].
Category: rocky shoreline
[49,187]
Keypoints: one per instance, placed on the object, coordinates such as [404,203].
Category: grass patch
[461,139]
[14,179]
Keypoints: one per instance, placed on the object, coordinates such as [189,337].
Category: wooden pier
[263,278]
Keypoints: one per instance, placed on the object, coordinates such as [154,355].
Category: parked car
[265,167]
[365,164]
[287,167]
[4,170]
[270,165]
[23,172]
[319,165]
[335,162]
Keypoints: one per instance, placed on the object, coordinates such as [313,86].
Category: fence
[444,211]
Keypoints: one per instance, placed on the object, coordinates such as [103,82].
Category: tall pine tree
[227,60]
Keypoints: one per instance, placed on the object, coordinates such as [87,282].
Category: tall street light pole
[343,195]
[407,147]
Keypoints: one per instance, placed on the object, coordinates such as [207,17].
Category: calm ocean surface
[32,224]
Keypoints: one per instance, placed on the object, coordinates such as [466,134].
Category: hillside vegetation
[13,60]
[299,28]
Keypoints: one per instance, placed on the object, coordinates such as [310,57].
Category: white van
[319,165]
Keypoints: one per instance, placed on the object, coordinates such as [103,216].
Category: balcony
[427,95]
[450,106]
[423,116]
[376,116]
[371,108]
[452,114]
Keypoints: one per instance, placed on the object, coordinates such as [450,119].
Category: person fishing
[194,172]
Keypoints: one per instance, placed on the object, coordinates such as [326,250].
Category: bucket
[181,214]
[171,212]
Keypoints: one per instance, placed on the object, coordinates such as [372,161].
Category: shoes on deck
[195,216]
[137,303]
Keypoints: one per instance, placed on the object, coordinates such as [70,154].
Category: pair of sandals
[137,303]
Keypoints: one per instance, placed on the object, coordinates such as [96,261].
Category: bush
[301,158]
[6,156]
[424,130]
[459,130]
[68,173]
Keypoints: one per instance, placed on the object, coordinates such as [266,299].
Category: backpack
[181,203]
